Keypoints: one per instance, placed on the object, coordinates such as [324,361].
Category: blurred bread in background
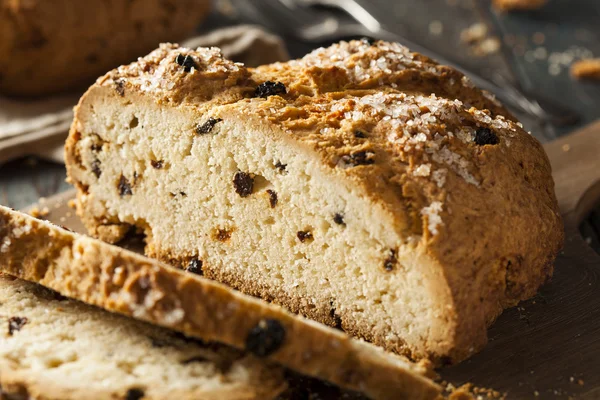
[53,46]
[518,5]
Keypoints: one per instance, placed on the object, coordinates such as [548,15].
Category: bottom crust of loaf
[323,313]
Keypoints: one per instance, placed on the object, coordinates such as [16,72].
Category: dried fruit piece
[120,87]
[272,197]
[265,338]
[207,126]
[281,167]
[390,262]
[359,158]
[304,236]
[134,394]
[223,235]
[243,183]
[269,88]
[15,324]
[359,134]
[195,267]
[485,136]
[96,168]
[124,187]
[339,219]
[187,62]
[156,164]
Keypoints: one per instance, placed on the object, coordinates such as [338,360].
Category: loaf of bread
[48,47]
[363,186]
[52,348]
[121,281]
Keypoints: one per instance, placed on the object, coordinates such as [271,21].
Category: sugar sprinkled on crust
[434,220]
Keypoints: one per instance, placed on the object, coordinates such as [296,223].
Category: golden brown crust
[47,48]
[39,358]
[124,282]
[451,166]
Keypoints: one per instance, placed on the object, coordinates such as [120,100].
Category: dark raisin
[134,394]
[243,183]
[269,88]
[15,324]
[265,338]
[195,267]
[96,168]
[272,197]
[390,262]
[156,164]
[206,127]
[183,194]
[304,236]
[337,321]
[124,187]
[339,219]
[359,158]
[120,87]
[359,134]
[187,62]
[281,167]
[485,136]
[223,235]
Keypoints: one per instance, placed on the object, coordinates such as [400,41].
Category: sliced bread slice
[363,186]
[128,283]
[53,348]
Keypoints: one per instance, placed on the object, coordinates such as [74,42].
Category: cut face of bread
[121,281]
[363,186]
[53,348]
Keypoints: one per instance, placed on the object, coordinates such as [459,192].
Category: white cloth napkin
[39,127]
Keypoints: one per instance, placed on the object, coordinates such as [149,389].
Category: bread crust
[64,347]
[127,283]
[453,171]
[52,47]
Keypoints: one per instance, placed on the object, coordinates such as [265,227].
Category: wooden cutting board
[548,347]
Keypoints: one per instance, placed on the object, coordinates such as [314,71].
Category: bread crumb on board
[586,69]
[42,213]
[518,5]
[469,391]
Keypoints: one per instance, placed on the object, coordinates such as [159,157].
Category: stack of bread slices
[363,187]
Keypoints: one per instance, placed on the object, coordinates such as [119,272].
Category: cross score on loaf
[364,186]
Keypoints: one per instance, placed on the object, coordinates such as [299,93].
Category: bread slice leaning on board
[53,348]
[121,281]
[363,186]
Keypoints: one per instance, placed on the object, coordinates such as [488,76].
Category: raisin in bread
[53,348]
[48,47]
[128,283]
[363,186]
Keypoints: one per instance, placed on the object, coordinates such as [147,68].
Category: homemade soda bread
[363,186]
[128,283]
[52,348]
[53,46]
